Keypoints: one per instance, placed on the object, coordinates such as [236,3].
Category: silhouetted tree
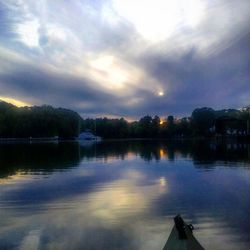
[44,121]
[203,119]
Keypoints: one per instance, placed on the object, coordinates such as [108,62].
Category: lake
[123,194]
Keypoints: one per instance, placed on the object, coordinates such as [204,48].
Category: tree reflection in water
[123,194]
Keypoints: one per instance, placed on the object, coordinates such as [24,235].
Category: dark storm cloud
[220,80]
[43,87]
[52,88]
[106,63]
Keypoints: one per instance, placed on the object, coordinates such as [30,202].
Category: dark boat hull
[183,240]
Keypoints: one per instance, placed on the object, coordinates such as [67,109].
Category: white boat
[88,136]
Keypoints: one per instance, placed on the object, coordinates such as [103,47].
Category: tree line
[202,122]
[46,121]
[43,121]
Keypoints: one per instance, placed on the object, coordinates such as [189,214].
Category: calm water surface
[123,195]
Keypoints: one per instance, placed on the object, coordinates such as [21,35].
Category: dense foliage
[46,121]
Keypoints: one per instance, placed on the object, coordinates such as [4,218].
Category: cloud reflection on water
[123,195]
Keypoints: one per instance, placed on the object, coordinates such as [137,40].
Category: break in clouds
[126,58]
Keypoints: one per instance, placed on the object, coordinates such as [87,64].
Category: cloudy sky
[126,57]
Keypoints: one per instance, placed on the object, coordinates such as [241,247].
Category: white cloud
[108,42]
[157,20]
[28,33]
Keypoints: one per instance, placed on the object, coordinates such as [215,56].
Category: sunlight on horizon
[15,102]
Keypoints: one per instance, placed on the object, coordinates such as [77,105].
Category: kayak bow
[181,237]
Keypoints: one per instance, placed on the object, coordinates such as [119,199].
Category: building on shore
[229,126]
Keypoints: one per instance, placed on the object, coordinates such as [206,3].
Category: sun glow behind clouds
[113,73]
[157,20]
[107,71]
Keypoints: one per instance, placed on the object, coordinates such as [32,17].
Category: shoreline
[58,139]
